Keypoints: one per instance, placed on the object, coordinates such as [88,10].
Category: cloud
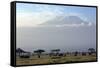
[33,19]
[67,25]
[71,25]
[89,24]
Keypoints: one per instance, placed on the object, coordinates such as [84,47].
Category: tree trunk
[38,56]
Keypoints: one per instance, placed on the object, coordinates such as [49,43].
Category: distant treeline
[55,52]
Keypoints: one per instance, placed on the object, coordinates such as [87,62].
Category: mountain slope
[60,20]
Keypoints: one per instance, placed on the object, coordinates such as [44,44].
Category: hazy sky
[69,28]
[34,14]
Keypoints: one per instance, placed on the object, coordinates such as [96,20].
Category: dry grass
[52,60]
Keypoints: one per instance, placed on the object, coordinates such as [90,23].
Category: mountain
[60,20]
[64,38]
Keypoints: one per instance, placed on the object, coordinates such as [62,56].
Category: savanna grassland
[46,59]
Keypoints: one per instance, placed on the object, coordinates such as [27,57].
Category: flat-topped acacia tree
[91,51]
[55,51]
[39,51]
